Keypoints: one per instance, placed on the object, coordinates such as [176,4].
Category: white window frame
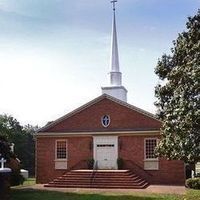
[61,159]
[150,163]
[149,159]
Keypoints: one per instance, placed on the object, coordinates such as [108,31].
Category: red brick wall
[79,148]
[122,118]
[170,172]
[130,148]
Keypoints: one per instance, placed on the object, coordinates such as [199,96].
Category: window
[61,149]
[151,162]
[150,145]
[105,120]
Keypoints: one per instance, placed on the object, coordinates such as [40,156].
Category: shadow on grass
[27,194]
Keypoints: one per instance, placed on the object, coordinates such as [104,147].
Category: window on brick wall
[150,145]
[61,149]
[150,161]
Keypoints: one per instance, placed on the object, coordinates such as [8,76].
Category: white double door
[106,151]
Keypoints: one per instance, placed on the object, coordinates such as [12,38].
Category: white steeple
[115,74]
[115,89]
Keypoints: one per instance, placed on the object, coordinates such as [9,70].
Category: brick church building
[104,135]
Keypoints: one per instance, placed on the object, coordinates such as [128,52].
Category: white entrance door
[106,151]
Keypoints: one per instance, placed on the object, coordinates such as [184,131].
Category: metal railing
[78,164]
[139,170]
[94,170]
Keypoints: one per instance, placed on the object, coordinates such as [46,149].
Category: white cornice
[119,133]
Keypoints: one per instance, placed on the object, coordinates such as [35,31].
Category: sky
[55,54]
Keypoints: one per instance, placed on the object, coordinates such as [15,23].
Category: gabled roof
[94,101]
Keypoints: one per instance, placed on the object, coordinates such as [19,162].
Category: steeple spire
[115,75]
[115,89]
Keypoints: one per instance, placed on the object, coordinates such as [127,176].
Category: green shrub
[193,183]
[16,178]
[197,175]
[90,163]
[120,163]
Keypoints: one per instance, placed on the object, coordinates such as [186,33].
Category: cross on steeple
[113,2]
[2,161]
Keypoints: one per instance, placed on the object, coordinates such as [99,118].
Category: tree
[29,157]
[5,151]
[178,96]
[22,137]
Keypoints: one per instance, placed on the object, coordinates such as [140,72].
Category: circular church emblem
[105,120]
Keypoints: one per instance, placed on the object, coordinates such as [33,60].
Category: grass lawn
[21,193]
[48,195]
[24,194]
[28,182]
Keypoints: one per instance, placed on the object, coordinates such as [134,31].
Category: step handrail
[74,166]
[139,169]
[94,170]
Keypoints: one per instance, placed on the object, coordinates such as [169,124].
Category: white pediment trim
[90,103]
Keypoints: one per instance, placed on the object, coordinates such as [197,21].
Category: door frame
[115,142]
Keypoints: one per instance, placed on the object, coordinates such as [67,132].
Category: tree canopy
[22,137]
[178,96]
[5,150]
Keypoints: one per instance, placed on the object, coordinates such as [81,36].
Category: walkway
[159,189]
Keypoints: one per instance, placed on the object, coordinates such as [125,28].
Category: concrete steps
[123,179]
